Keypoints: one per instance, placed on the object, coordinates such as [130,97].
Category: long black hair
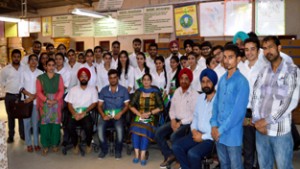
[119,68]
[176,59]
[41,66]
[162,59]
[147,69]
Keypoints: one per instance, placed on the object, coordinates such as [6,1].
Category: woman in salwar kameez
[50,90]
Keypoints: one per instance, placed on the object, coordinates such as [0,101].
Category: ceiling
[7,6]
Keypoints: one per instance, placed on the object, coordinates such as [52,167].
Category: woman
[195,68]
[42,61]
[81,58]
[125,71]
[28,79]
[159,75]
[50,90]
[173,81]
[146,104]
[140,70]
[103,70]
[62,70]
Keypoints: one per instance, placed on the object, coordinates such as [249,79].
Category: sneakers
[10,140]
[118,156]
[102,155]
[76,150]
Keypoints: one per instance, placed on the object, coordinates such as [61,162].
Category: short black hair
[16,51]
[116,42]
[208,60]
[216,48]
[98,47]
[153,45]
[206,43]
[272,38]
[253,40]
[228,43]
[31,56]
[37,42]
[197,45]
[112,71]
[233,48]
[138,40]
[89,51]
[252,35]
[183,58]
[188,42]
[49,45]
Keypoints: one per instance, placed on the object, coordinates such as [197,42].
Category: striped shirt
[275,95]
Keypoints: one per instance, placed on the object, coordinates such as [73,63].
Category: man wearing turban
[81,100]
[174,49]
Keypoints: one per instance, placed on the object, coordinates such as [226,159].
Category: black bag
[19,109]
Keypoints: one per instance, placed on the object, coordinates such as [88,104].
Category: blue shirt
[202,115]
[113,100]
[229,108]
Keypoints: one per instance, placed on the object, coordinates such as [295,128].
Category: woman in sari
[146,104]
[50,90]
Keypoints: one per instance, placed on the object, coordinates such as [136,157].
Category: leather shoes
[168,162]
[10,140]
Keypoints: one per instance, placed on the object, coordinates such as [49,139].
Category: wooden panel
[290,42]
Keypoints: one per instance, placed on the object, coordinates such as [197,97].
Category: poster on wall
[106,27]
[23,28]
[35,25]
[83,26]
[46,26]
[238,16]
[130,22]
[62,26]
[186,21]
[212,19]
[158,20]
[11,29]
[105,5]
[270,17]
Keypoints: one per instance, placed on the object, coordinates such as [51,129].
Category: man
[10,79]
[174,49]
[98,50]
[36,49]
[113,103]
[205,48]
[137,45]
[80,109]
[253,67]
[181,115]
[218,53]
[275,95]
[50,50]
[115,53]
[188,46]
[152,50]
[191,149]
[229,110]
[73,66]
[200,59]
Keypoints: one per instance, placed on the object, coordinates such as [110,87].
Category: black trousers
[296,136]
[86,124]
[11,121]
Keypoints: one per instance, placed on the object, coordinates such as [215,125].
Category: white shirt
[196,85]
[93,81]
[251,73]
[151,64]
[82,98]
[24,60]
[167,61]
[158,79]
[127,81]
[132,60]
[114,63]
[73,73]
[202,63]
[66,76]
[28,80]
[242,67]
[10,78]
[102,76]
[138,74]
[220,70]
[284,56]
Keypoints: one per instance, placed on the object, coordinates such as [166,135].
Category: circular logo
[186,21]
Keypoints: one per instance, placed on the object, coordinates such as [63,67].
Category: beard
[208,90]
[83,83]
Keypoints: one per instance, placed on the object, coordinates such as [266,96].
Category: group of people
[237,98]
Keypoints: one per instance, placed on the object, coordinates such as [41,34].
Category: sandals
[37,148]
[55,149]
[45,151]
[29,149]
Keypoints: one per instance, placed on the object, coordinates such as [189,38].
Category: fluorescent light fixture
[89,13]
[9,19]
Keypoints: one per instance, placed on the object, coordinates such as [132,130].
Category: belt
[12,94]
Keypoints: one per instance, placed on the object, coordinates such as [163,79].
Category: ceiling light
[9,19]
[89,13]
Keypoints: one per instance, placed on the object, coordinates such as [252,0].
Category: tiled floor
[20,159]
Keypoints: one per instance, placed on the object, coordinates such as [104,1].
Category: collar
[109,88]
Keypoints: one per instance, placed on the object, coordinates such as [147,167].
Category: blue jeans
[190,153]
[166,130]
[230,156]
[139,142]
[118,125]
[279,148]
[34,122]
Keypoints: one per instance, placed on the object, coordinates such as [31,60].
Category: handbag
[19,109]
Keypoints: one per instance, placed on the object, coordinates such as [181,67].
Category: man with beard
[113,103]
[80,109]
[174,49]
[115,54]
[275,95]
[205,48]
[229,110]
[152,50]
[191,149]
[10,79]
[50,50]
[36,49]
[200,59]
[181,114]
[137,46]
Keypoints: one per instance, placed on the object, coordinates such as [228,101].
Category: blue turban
[211,74]
[240,35]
